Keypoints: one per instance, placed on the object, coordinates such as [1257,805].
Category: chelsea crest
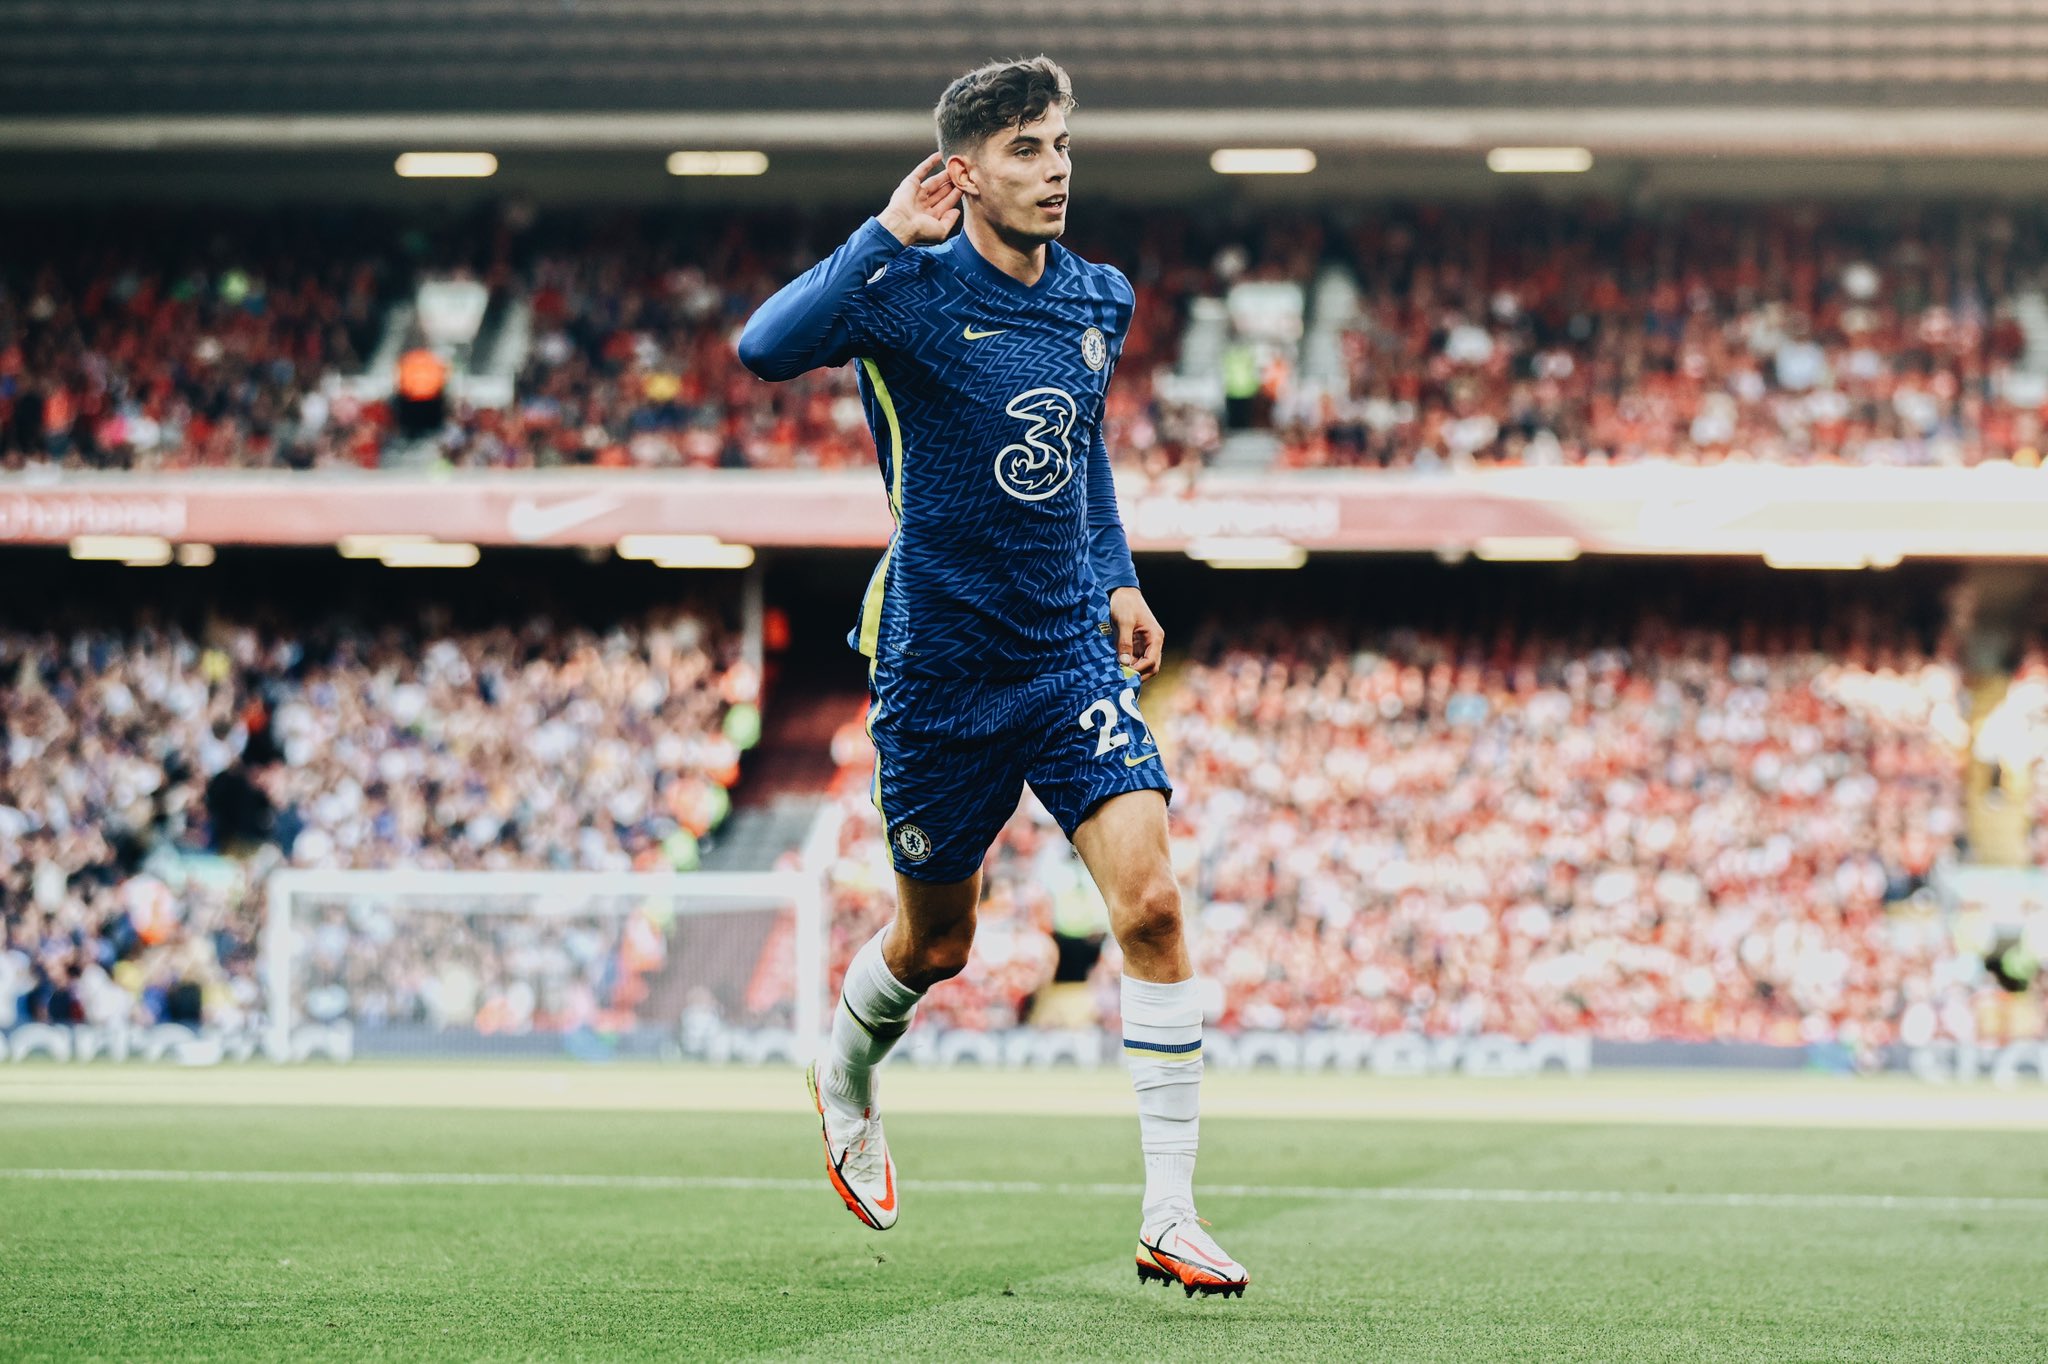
[1094,350]
[912,843]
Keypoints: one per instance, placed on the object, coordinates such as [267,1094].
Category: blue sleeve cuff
[874,237]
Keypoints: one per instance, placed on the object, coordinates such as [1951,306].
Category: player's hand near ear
[925,207]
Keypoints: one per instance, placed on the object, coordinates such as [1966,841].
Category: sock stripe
[880,1034]
[1170,1048]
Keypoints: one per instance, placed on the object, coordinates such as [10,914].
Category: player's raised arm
[815,319]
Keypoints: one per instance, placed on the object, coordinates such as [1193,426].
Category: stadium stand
[1565,336]
[181,346]
[1481,816]
[1466,814]
[1645,832]
[1504,334]
[152,776]
[1674,833]
[238,344]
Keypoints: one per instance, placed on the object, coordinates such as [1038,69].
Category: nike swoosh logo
[887,1203]
[528,521]
[1167,1261]
[970,334]
[1133,762]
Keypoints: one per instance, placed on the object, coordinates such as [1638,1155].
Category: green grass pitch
[312,1266]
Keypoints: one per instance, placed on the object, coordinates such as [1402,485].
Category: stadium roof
[1824,75]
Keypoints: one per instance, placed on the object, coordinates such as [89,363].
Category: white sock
[1163,1047]
[874,1010]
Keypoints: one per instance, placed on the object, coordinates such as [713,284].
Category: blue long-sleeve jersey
[985,397]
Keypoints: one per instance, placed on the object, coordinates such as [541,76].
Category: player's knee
[939,958]
[1152,914]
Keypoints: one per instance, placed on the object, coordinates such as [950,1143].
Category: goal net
[711,965]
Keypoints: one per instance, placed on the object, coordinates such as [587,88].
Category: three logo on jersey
[1033,468]
[1040,463]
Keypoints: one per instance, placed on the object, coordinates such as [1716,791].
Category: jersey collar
[962,251]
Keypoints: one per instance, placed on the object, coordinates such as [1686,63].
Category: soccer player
[1006,634]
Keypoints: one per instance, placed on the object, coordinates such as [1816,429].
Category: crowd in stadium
[151,776]
[1503,334]
[1640,832]
[1679,834]
[1770,335]
[179,347]
[197,350]
[1669,837]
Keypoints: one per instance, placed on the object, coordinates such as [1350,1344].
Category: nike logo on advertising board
[528,521]
[970,334]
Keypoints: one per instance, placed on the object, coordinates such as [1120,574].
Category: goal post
[520,954]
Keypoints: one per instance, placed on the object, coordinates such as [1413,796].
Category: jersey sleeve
[825,316]
[1109,551]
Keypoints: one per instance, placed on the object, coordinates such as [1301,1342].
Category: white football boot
[1176,1250]
[857,1160]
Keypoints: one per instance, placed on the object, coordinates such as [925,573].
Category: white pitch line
[1313,1193]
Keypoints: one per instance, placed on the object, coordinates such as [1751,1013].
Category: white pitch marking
[1392,1194]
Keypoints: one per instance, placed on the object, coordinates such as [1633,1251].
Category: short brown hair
[1001,95]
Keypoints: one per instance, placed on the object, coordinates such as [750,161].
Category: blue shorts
[952,758]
